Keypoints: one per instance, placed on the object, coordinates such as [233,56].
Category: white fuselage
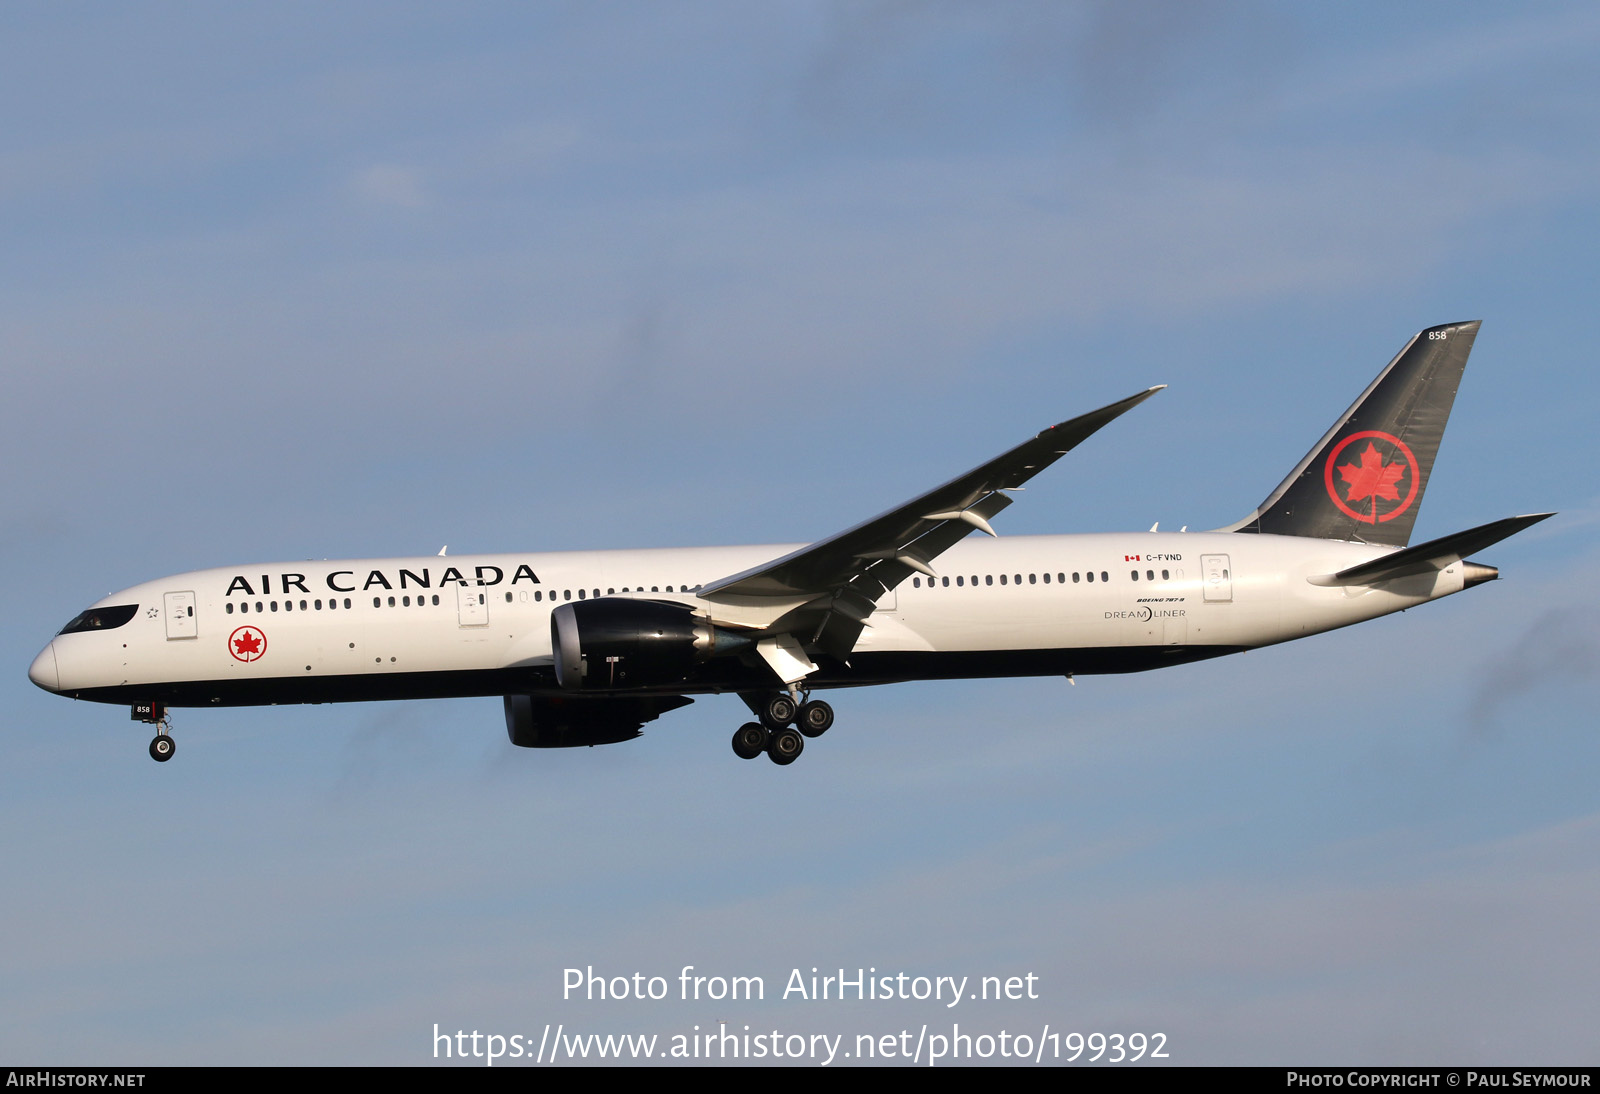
[402,628]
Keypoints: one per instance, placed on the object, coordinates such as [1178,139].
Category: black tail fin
[1364,480]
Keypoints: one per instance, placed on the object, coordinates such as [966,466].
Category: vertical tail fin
[1364,480]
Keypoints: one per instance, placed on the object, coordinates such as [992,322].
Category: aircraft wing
[845,574]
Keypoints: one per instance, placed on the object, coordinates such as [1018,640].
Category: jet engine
[614,643]
[571,721]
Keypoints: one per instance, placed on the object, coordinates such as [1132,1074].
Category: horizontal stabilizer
[1436,554]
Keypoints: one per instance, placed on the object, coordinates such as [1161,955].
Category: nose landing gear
[162,746]
[785,724]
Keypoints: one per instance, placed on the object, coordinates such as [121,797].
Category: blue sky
[356,280]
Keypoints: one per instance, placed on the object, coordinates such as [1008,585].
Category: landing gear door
[472,605]
[1217,577]
[181,621]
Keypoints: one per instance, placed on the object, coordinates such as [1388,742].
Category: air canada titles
[350,581]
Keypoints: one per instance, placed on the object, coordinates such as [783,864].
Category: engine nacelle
[534,723]
[613,643]
[559,720]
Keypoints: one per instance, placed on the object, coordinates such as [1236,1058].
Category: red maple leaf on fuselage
[247,643]
[1372,478]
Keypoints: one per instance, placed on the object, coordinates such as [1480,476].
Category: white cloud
[390,186]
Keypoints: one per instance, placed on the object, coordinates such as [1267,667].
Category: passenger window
[960,580]
[1090,575]
[347,601]
[1104,576]
[1134,574]
[1149,575]
[945,581]
[230,607]
[274,605]
[376,603]
[1033,579]
[1002,579]
[988,579]
[436,598]
[508,598]
[1164,576]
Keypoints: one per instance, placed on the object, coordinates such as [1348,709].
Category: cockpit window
[101,619]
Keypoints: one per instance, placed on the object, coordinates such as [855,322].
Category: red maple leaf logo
[1372,478]
[248,645]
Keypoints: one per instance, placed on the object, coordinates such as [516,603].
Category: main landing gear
[785,724]
[162,746]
